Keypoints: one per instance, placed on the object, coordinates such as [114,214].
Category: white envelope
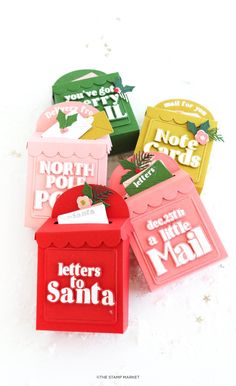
[87,76]
[96,214]
[75,131]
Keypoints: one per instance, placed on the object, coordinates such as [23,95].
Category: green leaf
[61,118]
[101,193]
[127,164]
[205,126]
[142,159]
[214,136]
[126,176]
[65,121]
[212,132]
[192,127]
[103,202]
[106,204]
[88,191]
[128,88]
[70,119]
[124,89]
[118,83]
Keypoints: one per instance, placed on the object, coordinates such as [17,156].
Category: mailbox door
[82,289]
[174,239]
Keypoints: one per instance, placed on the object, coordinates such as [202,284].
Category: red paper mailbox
[83,270]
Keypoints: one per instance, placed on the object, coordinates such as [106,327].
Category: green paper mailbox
[101,91]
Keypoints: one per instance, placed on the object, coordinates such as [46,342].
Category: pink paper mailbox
[172,232]
[58,163]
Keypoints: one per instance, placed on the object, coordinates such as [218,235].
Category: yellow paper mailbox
[185,131]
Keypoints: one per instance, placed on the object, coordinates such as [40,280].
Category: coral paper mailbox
[106,93]
[172,232]
[58,160]
[83,270]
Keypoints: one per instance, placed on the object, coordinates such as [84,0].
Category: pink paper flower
[84,202]
[64,130]
[202,137]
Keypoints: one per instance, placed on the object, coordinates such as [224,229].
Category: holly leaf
[118,82]
[128,88]
[61,118]
[124,89]
[87,190]
[192,127]
[126,176]
[127,164]
[65,120]
[70,119]
[205,126]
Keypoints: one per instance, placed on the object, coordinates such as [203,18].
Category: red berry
[116,89]
[137,170]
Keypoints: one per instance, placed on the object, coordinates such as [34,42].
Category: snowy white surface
[183,334]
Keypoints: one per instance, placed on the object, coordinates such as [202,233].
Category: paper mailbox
[98,89]
[83,270]
[172,232]
[185,131]
[58,160]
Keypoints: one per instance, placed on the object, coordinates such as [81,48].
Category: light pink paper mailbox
[172,232]
[56,164]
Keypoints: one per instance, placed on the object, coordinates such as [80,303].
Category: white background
[168,49]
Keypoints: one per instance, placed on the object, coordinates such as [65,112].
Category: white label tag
[75,131]
[96,214]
